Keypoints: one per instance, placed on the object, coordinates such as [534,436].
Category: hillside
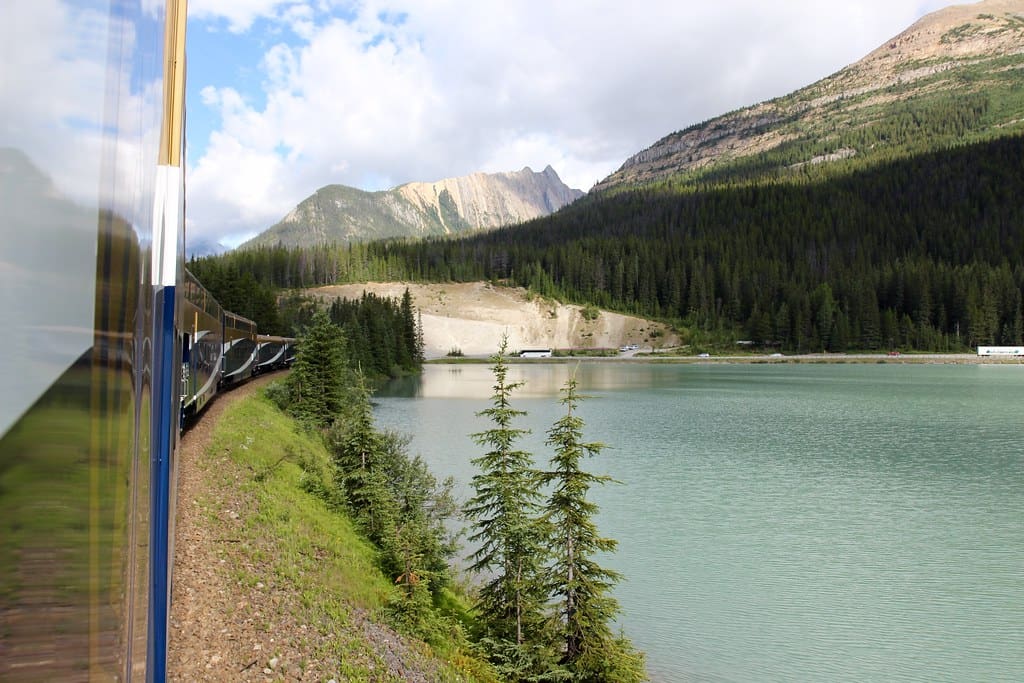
[270,583]
[920,253]
[472,317]
[956,75]
[337,213]
[877,209]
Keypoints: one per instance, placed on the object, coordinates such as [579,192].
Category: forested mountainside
[877,209]
[955,76]
[337,213]
[925,252]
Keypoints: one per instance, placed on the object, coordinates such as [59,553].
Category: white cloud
[57,86]
[407,90]
[241,14]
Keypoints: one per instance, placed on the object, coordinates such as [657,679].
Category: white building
[1001,350]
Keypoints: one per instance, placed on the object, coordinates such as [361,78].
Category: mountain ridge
[980,44]
[338,213]
[890,219]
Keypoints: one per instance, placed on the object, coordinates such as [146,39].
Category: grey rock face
[480,201]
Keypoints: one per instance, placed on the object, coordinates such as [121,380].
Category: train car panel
[270,352]
[108,339]
[240,348]
[200,324]
[274,353]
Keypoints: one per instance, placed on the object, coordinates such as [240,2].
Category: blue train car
[91,205]
[201,324]
[274,353]
[240,349]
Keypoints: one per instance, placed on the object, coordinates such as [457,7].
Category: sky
[286,96]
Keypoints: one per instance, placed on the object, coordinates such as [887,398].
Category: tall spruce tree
[319,373]
[504,513]
[356,446]
[580,586]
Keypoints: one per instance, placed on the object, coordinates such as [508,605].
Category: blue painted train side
[108,340]
[82,310]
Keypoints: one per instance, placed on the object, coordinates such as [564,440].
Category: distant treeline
[920,253]
[383,335]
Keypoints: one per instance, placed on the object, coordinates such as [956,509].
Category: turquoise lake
[785,522]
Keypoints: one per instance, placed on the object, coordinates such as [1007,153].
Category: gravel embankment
[225,630]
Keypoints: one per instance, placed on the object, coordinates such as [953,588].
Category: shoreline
[805,359]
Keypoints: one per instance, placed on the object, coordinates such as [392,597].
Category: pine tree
[418,544]
[398,503]
[410,356]
[420,342]
[585,607]
[319,373]
[503,513]
[356,445]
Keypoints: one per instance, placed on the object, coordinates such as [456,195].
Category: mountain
[954,76]
[337,213]
[876,209]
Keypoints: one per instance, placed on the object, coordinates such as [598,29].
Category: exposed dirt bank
[472,317]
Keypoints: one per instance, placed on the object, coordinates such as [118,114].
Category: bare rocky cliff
[479,201]
[963,48]
[490,200]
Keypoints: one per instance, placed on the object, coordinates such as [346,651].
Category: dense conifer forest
[383,336]
[923,253]
[238,291]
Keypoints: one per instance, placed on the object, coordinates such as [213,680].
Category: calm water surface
[786,522]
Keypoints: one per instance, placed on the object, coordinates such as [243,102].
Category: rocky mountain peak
[951,41]
[479,201]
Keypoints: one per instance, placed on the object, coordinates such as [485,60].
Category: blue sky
[285,96]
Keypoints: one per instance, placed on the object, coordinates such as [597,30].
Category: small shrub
[279,394]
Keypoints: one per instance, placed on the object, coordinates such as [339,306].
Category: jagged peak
[475,201]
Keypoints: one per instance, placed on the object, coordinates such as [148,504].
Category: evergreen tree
[408,347]
[581,587]
[319,373]
[398,503]
[416,542]
[503,512]
[355,446]
[420,342]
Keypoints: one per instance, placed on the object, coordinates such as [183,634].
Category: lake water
[786,522]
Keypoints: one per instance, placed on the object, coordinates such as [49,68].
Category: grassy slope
[302,548]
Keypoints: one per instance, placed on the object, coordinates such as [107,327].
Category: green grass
[303,546]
